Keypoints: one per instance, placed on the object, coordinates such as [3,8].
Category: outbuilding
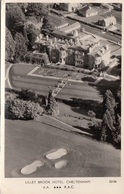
[87,11]
[69,7]
[108,21]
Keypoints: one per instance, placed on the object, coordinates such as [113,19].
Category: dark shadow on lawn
[104,85]
[96,133]
[82,106]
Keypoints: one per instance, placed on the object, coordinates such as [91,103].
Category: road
[43,85]
[28,141]
[98,32]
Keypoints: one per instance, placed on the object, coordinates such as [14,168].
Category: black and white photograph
[63,83]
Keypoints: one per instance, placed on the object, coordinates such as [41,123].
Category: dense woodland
[22,28]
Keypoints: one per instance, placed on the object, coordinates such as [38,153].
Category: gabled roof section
[87,9]
[71,27]
[109,19]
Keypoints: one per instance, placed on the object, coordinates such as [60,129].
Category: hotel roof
[88,9]
[71,27]
[100,50]
[109,18]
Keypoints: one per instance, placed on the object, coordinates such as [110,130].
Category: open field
[27,141]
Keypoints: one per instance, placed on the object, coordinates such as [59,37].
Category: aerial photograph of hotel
[63,89]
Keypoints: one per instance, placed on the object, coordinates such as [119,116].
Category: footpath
[54,122]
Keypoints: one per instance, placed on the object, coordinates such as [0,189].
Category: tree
[117,132]
[32,33]
[45,59]
[108,123]
[107,127]
[109,101]
[118,99]
[52,106]
[10,46]
[20,47]
[14,18]
[48,25]
[23,6]
[111,123]
[36,9]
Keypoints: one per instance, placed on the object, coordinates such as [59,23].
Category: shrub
[91,113]
[40,59]
[88,78]
[30,95]
[19,109]
[26,94]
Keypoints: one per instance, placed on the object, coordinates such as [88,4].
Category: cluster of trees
[21,109]
[27,105]
[111,123]
[20,33]
[38,10]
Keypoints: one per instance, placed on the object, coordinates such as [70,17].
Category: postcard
[61,97]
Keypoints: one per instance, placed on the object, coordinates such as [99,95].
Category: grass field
[27,141]
[22,68]
[76,115]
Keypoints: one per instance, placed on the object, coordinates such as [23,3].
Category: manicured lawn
[27,141]
[22,69]
[77,116]
[20,80]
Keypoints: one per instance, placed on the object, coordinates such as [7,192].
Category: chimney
[106,47]
[89,7]
[103,50]
[47,37]
[55,40]
[98,44]
[90,49]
